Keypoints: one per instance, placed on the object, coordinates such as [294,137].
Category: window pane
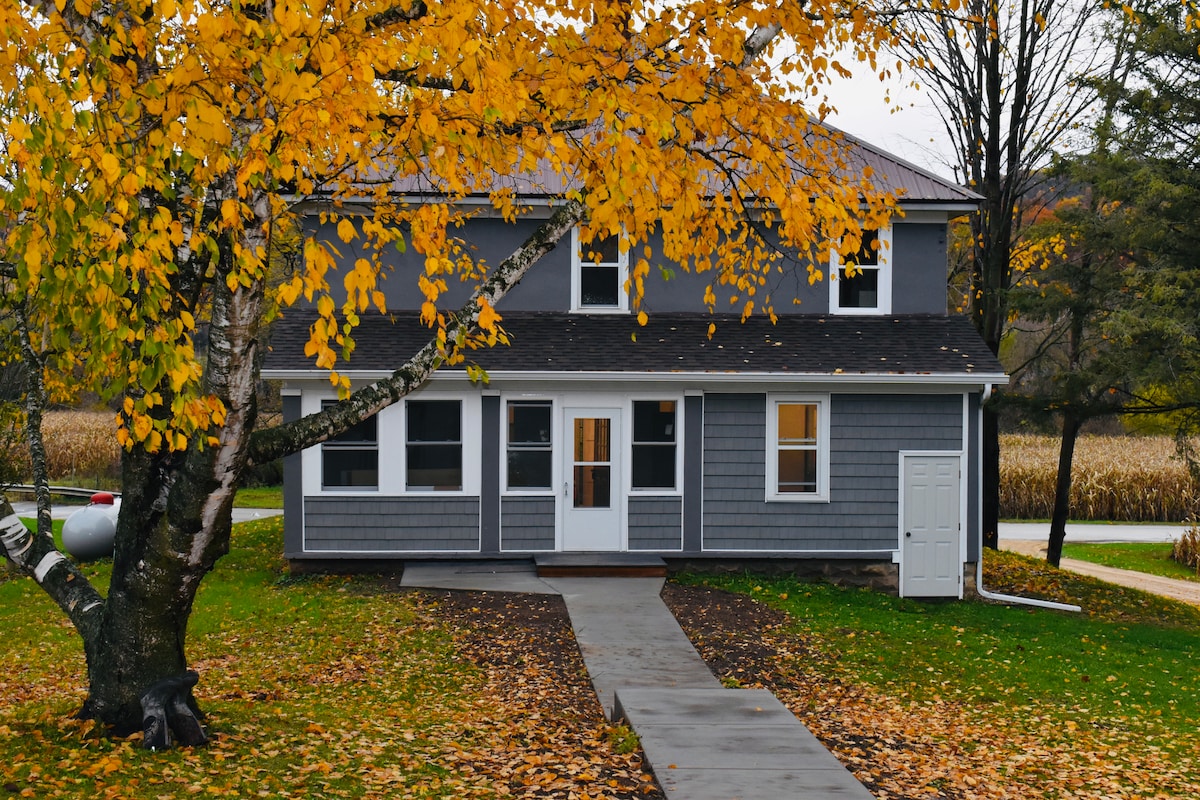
[868,253]
[654,421]
[592,440]
[598,286]
[435,466]
[654,466]
[861,291]
[592,489]
[797,471]
[349,467]
[602,251]
[529,469]
[797,423]
[365,431]
[529,423]
[434,421]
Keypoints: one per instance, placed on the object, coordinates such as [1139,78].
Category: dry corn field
[1115,478]
[80,445]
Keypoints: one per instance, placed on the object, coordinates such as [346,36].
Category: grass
[259,497]
[1122,657]
[996,701]
[1150,557]
[313,688]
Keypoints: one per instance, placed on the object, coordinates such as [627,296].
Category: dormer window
[599,273]
[869,289]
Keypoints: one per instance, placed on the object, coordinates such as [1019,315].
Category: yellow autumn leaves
[154,157]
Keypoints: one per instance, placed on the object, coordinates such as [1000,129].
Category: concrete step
[599,565]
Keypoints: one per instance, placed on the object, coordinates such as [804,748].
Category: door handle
[564,488]
[908,534]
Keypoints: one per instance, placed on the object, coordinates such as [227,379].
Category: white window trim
[471,421]
[555,437]
[885,279]
[333,444]
[772,493]
[577,265]
[677,491]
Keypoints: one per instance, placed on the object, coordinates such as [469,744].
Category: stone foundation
[877,574]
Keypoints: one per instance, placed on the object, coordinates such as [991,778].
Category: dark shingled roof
[675,343]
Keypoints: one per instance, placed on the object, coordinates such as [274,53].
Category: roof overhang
[856,380]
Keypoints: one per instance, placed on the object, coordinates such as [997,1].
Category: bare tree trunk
[1062,488]
[991,479]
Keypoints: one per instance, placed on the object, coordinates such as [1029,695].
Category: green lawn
[259,497]
[313,688]
[995,701]
[1151,557]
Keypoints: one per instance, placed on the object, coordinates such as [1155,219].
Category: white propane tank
[91,531]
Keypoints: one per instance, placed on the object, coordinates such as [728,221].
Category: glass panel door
[593,462]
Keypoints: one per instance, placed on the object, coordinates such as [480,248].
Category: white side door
[592,479]
[931,552]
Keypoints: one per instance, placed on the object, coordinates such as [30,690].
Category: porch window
[433,447]
[599,273]
[797,449]
[654,435]
[350,460]
[869,289]
[530,452]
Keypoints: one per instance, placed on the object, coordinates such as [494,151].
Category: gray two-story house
[843,438]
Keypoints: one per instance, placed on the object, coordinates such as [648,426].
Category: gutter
[1008,598]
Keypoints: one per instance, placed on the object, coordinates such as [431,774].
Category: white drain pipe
[1005,598]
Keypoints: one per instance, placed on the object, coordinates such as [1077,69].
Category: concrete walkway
[702,741]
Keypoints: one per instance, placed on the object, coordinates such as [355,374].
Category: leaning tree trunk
[1062,488]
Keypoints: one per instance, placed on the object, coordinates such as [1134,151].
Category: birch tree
[153,153]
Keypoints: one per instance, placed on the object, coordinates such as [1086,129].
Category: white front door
[931,559]
[592,479]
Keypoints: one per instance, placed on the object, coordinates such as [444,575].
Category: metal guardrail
[62,491]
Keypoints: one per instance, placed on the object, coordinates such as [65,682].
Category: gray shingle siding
[527,523]
[391,524]
[655,523]
[866,434]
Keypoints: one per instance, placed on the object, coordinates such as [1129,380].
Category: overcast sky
[909,127]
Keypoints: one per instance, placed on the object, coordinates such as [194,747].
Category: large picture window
[530,452]
[433,446]
[797,448]
[654,437]
[869,289]
[350,460]
[599,272]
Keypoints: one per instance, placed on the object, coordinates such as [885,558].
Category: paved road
[62,511]
[1093,532]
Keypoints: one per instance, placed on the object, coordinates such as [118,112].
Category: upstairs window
[433,446]
[599,272]
[654,432]
[869,289]
[350,460]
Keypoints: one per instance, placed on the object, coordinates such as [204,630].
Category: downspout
[1008,598]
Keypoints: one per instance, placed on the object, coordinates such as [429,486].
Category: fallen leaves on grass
[326,687]
[907,749]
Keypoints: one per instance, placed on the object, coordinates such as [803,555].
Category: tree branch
[272,443]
